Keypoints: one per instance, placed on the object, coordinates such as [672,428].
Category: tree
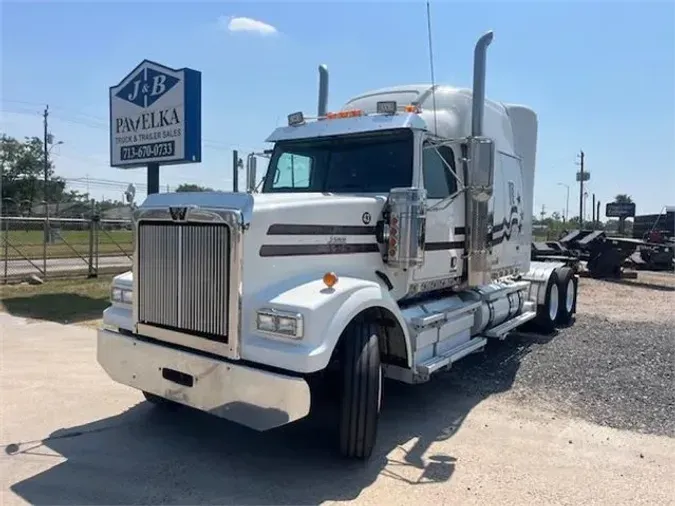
[189,187]
[23,175]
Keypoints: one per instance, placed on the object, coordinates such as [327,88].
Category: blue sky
[600,75]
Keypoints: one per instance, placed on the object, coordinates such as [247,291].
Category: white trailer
[391,238]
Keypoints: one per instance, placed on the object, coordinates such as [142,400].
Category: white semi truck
[389,239]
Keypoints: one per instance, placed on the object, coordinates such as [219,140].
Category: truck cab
[390,238]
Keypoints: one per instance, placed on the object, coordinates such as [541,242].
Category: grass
[72,243]
[79,301]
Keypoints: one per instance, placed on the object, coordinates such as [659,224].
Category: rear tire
[361,389]
[549,311]
[567,288]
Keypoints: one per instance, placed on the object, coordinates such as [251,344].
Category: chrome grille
[183,277]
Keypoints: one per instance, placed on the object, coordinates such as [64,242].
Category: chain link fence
[49,247]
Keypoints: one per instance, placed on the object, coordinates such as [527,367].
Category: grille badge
[178,213]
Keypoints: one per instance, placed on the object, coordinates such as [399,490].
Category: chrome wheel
[553,303]
[569,299]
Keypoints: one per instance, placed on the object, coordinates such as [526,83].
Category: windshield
[363,163]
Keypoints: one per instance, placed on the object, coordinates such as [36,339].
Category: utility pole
[46,155]
[237,164]
[2,175]
[543,212]
[581,192]
[47,227]
[2,167]
[597,212]
[566,212]
[235,171]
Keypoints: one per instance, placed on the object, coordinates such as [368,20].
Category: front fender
[326,313]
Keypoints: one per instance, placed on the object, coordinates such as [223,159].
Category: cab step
[426,369]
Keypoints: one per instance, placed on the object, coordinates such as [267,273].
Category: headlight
[121,295]
[279,322]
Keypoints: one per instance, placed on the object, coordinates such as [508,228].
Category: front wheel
[159,401]
[361,390]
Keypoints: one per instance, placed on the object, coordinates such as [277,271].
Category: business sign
[620,209]
[155,117]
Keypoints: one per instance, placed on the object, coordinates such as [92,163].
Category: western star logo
[146,87]
[178,213]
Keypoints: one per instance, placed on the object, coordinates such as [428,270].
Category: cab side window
[293,171]
[438,180]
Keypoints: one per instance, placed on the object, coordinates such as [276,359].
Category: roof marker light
[349,113]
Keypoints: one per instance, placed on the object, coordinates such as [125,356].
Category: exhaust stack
[479,176]
[323,90]
[478,94]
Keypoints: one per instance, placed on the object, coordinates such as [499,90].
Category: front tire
[158,401]
[361,390]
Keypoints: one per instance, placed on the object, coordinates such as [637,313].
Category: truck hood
[300,235]
[306,235]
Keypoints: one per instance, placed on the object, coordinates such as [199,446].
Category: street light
[48,150]
[567,201]
[54,145]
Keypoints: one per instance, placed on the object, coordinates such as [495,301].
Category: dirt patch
[649,298]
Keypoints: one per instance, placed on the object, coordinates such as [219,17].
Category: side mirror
[251,165]
[481,154]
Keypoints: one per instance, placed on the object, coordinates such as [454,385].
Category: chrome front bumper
[258,399]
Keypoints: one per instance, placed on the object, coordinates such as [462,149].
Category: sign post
[621,210]
[155,119]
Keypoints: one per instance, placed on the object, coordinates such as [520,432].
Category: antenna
[431,65]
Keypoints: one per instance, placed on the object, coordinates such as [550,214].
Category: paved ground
[60,265]
[71,436]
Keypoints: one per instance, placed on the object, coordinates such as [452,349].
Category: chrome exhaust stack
[478,94]
[323,90]
[480,154]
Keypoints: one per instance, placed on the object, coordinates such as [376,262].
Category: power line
[101,124]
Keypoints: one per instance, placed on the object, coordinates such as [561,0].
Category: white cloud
[242,24]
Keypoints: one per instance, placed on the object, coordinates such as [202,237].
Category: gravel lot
[614,366]
[496,429]
[72,436]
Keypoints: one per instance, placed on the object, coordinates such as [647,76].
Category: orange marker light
[330,279]
[349,113]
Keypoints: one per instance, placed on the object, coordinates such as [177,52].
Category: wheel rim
[569,299]
[553,303]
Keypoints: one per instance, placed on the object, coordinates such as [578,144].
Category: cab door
[444,241]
